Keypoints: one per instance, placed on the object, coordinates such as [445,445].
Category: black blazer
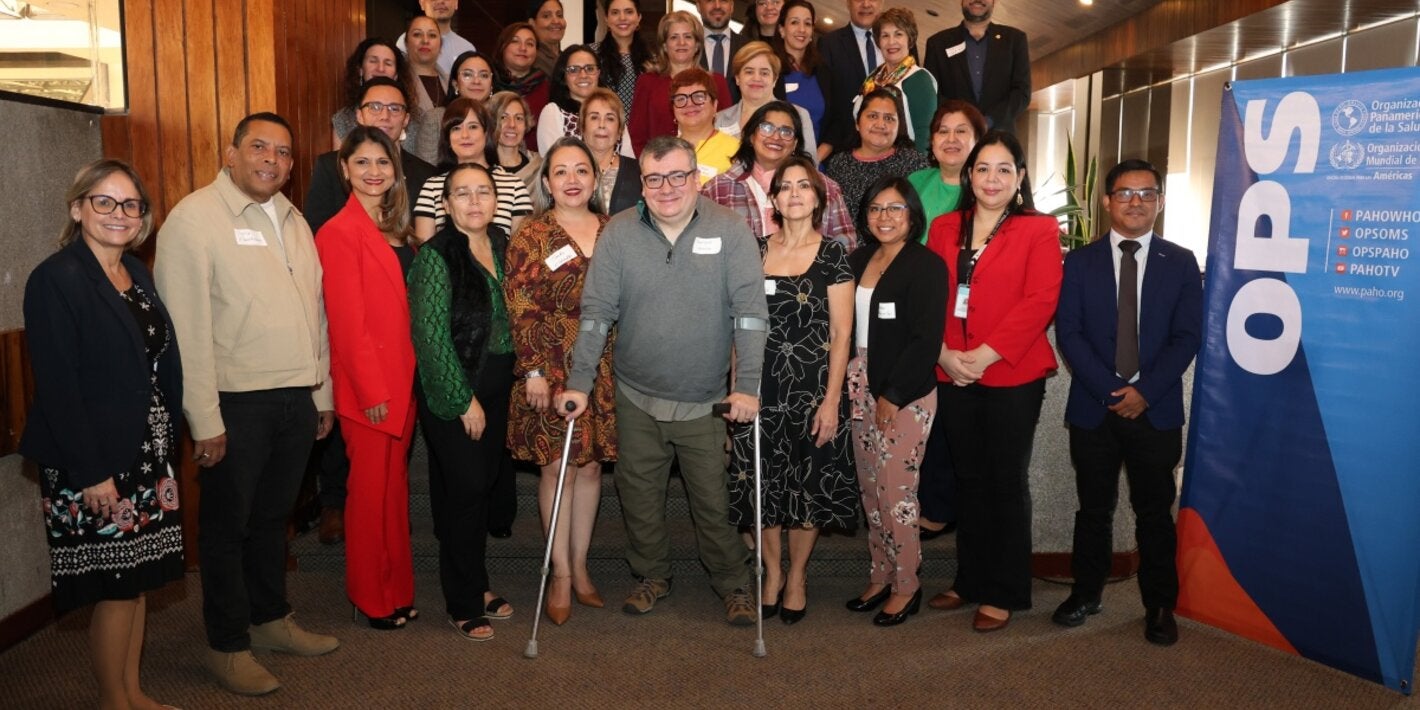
[903,348]
[737,40]
[627,190]
[842,67]
[1005,87]
[326,195]
[90,411]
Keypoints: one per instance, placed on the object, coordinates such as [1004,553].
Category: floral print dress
[138,546]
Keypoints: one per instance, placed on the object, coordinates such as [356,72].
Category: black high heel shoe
[392,622]
[871,603]
[885,619]
[792,616]
[769,611]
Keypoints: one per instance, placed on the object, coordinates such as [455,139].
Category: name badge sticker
[560,257]
[887,311]
[707,172]
[771,287]
[250,238]
[958,49]
[963,296]
[706,245]
[791,87]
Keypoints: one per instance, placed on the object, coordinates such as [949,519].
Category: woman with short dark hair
[881,147]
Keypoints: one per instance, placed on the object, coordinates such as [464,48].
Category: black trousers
[462,473]
[334,469]
[1149,457]
[937,487]
[991,431]
[503,502]
[246,500]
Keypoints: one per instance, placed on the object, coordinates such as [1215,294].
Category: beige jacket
[248,313]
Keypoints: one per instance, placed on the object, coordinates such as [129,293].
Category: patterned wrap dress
[546,273]
[804,485]
[138,547]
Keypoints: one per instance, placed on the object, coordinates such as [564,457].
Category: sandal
[490,609]
[467,628]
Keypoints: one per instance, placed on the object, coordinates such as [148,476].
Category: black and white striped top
[513,199]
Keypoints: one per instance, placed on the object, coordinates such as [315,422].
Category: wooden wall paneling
[141,126]
[174,138]
[202,91]
[230,56]
[18,387]
[260,29]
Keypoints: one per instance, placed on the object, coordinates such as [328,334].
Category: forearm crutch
[531,650]
[759,650]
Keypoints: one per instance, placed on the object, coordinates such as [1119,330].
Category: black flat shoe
[393,622]
[926,534]
[871,603]
[1160,628]
[501,533]
[885,619]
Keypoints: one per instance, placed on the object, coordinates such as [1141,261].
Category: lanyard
[971,266]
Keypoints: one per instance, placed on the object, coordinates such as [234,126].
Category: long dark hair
[811,57]
[903,141]
[456,113]
[558,91]
[451,92]
[745,155]
[542,197]
[916,216]
[609,53]
[1018,156]
[355,88]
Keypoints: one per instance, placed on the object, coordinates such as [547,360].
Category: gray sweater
[677,308]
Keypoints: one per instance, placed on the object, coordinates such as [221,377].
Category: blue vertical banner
[1299,524]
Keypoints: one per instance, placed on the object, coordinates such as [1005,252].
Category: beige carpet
[684,655]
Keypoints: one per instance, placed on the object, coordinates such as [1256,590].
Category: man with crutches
[681,279]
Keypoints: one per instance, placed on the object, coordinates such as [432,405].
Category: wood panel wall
[17,383]
[195,69]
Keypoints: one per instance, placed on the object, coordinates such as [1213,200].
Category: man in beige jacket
[237,265]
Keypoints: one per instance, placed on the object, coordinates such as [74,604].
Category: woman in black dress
[106,368]
[805,449]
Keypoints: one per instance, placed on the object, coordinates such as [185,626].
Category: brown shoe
[946,601]
[332,526]
[285,636]
[986,624]
[240,673]
[644,595]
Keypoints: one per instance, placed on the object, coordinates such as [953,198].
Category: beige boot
[240,673]
[285,636]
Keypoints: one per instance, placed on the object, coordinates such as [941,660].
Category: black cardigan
[90,410]
[626,191]
[902,350]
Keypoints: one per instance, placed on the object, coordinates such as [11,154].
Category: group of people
[887,327]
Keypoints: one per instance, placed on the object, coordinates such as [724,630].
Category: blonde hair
[663,32]
[89,177]
[756,49]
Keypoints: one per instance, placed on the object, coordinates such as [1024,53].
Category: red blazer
[652,115]
[371,351]
[1014,291]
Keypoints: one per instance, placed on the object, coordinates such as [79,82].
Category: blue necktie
[870,51]
[717,60]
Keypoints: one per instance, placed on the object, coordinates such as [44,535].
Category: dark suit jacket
[842,65]
[1170,330]
[367,307]
[627,190]
[91,370]
[327,195]
[903,348]
[737,40]
[1005,87]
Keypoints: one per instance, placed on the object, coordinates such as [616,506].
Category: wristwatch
[533,373]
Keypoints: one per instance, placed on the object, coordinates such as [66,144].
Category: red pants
[379,565]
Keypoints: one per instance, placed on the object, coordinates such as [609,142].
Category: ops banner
[1299,524]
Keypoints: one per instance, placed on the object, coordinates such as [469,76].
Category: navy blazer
[842,64]
[1170,331]
[91,370]
[1005,85]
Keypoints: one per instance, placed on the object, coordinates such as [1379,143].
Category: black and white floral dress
[804,485]
[138,545]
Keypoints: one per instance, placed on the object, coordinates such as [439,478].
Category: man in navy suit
[721,44]
[848,54]
[982,63]
[1129,322]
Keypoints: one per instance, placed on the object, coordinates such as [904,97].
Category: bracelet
[533,373]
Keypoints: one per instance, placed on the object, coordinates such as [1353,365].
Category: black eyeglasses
[1147,194]
[676,179]
[699,97]
[103,204]
[379,107]
[769,129]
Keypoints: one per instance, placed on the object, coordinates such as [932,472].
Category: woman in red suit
[1003,264]
[364,254]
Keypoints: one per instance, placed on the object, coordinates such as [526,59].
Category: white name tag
[771,287]
[707,172]
[560,257]
[791,88]
[706,245]
[250,238]
[887,311]
[953,51]
[963,295]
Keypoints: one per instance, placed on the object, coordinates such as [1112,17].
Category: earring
[1019,200]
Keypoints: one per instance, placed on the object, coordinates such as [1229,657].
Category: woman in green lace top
[465,354]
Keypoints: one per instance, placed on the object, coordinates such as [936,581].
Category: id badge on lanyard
[964,288]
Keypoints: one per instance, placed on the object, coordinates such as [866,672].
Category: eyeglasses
[575,69]
[379,107]
[1125,196]
[676,179]
[103,204]
[769,129]
[468,74]
[894,210]
[699,97]
[465,195]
